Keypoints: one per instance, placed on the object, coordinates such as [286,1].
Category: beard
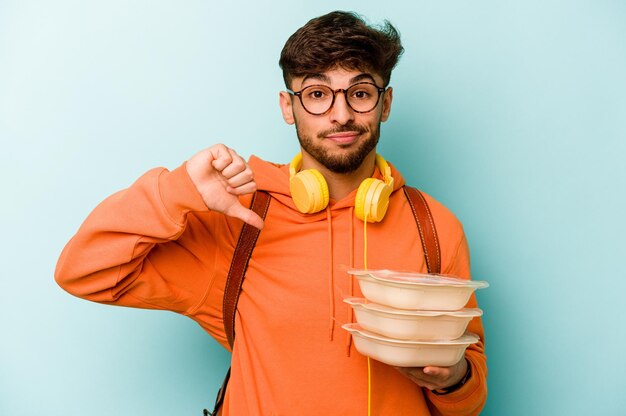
[340,163]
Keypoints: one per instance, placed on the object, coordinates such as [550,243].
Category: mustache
[342,129]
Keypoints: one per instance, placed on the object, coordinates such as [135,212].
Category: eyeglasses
[361,97]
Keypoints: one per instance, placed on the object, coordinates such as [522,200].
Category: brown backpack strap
[426,227]
[241,257]
[219,399]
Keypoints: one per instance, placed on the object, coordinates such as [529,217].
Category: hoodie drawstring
[351,282]
[331,290]
[331,282]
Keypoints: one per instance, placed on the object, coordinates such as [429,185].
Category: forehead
[336,78]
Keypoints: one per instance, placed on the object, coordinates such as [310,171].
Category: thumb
[246,215]
[440,373]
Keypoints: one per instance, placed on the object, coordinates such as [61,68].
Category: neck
[341,184]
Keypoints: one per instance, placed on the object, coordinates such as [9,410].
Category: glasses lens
[317,99]
[362,97]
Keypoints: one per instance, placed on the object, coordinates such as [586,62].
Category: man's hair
[341,40]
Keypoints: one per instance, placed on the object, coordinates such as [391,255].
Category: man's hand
[220,175]
[434,378]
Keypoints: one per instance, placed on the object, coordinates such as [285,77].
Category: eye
[317,93]
[361,94]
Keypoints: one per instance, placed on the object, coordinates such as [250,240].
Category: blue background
[511,113]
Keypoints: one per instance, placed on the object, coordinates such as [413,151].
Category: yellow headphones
[309,191]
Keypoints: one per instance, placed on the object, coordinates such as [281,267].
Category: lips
[344,137]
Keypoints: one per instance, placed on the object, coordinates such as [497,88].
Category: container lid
[466,339]
[364,303]
[410,278]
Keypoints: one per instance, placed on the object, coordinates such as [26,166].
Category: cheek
[371,122]
[306,125]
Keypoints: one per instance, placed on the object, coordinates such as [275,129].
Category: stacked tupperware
[412,319]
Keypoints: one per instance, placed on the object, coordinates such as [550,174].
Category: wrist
[456,386]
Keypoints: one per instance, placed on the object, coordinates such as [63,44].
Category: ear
[286,107]
[387,98]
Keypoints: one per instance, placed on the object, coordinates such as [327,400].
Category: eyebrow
[326,79]
[361,77]
[316,76]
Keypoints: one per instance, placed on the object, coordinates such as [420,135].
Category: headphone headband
[384,168]
[295,165]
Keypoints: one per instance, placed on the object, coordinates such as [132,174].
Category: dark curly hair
[341,40]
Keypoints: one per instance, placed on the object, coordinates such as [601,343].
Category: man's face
[341,138]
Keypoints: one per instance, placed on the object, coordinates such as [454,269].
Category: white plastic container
[409,324]
[409,353]
[416,291]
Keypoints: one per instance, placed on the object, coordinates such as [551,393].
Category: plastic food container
[409,353]
[409,324]
[416,290]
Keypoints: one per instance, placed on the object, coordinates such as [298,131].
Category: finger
[437,372]
[429,384]
[246,215]
[221,157]
[420,377]
[408,371]
[415,374]
[244,189]
[414,371]
[236,167]
[242,178]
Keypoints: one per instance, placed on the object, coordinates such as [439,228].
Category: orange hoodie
[156,245]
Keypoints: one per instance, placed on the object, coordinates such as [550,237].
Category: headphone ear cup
[309,191]
[372,198]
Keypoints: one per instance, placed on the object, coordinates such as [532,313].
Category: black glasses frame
[338,90]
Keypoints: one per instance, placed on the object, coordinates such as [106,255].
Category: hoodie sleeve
[135,248]
[471,397]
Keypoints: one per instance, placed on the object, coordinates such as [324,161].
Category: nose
[341,112]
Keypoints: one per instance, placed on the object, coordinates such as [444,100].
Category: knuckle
[218,149]
[238,164]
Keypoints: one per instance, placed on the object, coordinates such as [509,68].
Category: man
[167,242]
